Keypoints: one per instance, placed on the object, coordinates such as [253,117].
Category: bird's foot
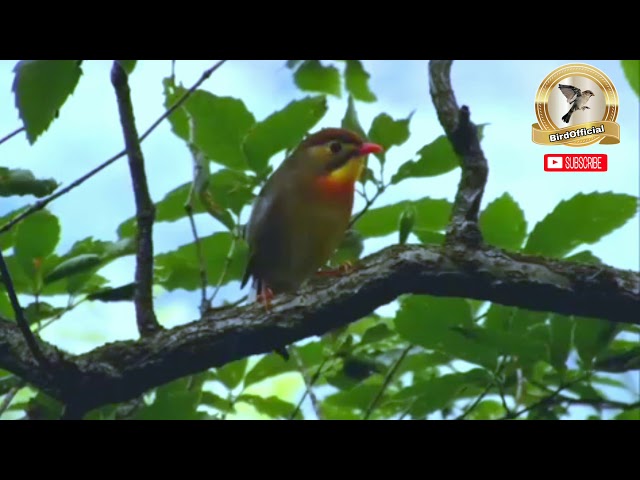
[344,269]
[265,296]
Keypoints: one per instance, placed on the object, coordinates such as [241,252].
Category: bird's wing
[265,228]
[569,91]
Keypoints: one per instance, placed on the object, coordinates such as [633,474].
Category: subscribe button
[575,162]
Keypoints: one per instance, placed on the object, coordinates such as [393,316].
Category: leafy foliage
[428,357]
[41,87]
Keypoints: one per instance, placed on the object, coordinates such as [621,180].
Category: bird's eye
[335,147]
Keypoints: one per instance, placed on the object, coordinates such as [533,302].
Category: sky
[87,132]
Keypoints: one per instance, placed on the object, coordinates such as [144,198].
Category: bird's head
[335,155]
[588,93]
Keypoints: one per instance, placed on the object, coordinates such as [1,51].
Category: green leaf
[350,248]
[434,323]
[174,401]
[632,72]
[73,266]
[38,311]
[128,65]
[268,366]
[282,130]
[180,268]
[44,407]
[376,333]
[311,354]
[22,182]
[487,410]
[434,159]
[312,76]
[22,282]
[179,118]
[633,414]
[359,397]
[212,400]
[351,121]
[431,214]
[502,223]
[585,218]
[429,237]
[357,81]
[422,363]
[529,347]
[229,189]
[586,256]
[220,125]
[7,238]
[118,294]
[41,87]
[561,340]
[387,132]
[332,412]
[36,238]
[428,396]
[592,336]
[232,373]
[621,356]
[406,223]
[6,310]
[272,407]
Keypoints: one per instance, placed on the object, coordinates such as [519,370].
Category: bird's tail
[567,116]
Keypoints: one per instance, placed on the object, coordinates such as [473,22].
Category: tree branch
[9,136]
[463,135]
[120,371]
[28,335]
[386,382]
[145,209]
[40,204]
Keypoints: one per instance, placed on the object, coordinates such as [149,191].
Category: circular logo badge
[576,105]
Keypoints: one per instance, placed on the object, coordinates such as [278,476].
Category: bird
[576,97]
[302,213]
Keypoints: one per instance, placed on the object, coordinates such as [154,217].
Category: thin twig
[70,306]
[201,173]
[387,381]
[476,402]
[225,268]
[8,398]
[203,270]
[11,135]
[20,320]
[308,386]
[40,204]
[370,201]
[545,400]
[145,209]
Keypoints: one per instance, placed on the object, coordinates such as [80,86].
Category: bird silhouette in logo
[576,97]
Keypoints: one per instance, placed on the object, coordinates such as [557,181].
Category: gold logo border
[576,69]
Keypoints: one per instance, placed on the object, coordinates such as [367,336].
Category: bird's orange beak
[368,148]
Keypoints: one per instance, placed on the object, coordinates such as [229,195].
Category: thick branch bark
[123,370]
[145,209]
[463,135]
